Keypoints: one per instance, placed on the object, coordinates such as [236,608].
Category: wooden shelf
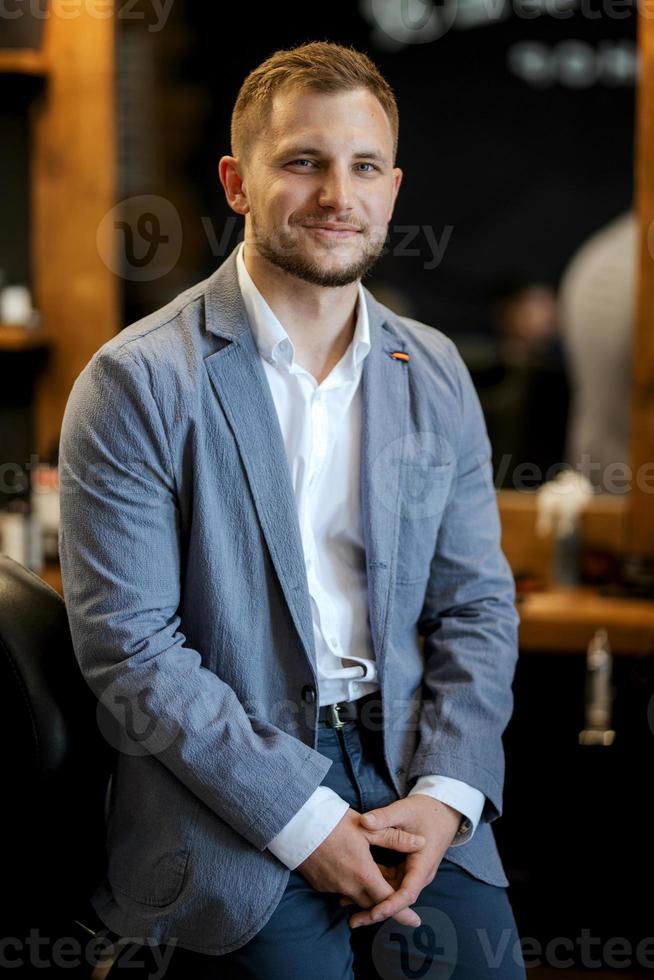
[564,620]
[22,338]
[555,619]
[23,61]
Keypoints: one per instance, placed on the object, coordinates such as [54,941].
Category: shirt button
[334,641]
[308,563]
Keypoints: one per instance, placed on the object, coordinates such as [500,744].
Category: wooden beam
[73,186]
[641,516]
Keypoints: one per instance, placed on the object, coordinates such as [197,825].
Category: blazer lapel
[384,425]
[241,387]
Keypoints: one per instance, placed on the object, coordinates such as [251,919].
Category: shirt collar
[271,339]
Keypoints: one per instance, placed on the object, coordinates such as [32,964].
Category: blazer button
[309,694]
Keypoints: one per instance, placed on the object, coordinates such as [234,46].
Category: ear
[229,171]
[397,180]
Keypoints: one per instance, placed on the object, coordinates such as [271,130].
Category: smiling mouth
[334,230]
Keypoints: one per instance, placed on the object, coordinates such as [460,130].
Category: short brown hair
[321,66]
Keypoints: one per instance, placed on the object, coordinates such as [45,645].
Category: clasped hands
[419,826]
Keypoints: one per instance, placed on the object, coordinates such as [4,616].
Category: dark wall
[14,180]
[521,169]
[516,141]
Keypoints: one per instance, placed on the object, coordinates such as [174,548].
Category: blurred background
[520,232]
[517,135]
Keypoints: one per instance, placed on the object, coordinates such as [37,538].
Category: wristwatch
[464,828]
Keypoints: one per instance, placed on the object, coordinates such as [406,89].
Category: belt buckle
[334,716]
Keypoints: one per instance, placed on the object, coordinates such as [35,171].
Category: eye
[301,162]
[370,165]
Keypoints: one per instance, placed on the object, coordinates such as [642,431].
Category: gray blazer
[185,585]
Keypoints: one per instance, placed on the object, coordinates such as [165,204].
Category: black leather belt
[338,714]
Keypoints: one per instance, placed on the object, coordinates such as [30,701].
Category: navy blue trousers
[468,931]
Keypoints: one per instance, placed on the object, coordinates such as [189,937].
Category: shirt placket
[327,616]
[319,434]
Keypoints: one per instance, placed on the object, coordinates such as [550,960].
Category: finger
[396,839]
[406,917]
[368,903]
[373,894]
[383,816]
[392,875]
[374,889]
[404,896]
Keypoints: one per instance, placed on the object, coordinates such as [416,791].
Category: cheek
[265,194]
[285,201]
[380,199]
[379,209]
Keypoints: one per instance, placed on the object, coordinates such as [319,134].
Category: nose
[336,190]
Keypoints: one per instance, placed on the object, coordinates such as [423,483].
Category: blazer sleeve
[469,624]
[120,560]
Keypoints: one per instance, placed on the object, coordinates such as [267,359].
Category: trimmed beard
[283,251]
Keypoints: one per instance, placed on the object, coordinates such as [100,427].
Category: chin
[335,256]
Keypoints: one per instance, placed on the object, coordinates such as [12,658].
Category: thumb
[377,819]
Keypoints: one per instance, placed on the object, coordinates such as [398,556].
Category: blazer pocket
[424,489]
[149,838]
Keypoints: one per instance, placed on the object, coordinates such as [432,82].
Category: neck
[319,320]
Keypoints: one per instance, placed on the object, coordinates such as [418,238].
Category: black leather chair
[55,769]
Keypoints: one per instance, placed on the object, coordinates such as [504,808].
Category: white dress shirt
[321,430]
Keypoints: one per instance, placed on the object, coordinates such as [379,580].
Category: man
[597,299]
[271,490]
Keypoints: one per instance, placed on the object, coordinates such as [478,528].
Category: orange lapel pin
[399,355]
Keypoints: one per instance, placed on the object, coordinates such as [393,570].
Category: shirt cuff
[309,827]
[464,798]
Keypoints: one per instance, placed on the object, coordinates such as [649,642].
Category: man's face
[320,185]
